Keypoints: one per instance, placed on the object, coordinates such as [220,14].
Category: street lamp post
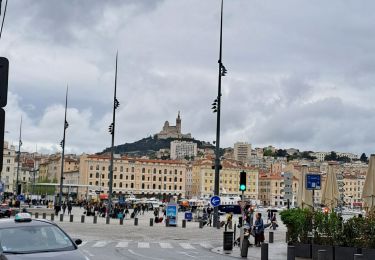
[217,108]
[63,150]
[116,104]
[18,191]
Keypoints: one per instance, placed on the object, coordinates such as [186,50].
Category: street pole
[63,150]
[18,192]
[222,71]
[112,131]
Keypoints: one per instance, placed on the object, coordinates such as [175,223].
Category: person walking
[273,222]
[259,230]
[64,208]
[70,208]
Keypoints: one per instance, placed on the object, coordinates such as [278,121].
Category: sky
[300,73]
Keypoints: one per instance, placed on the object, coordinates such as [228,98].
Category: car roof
[9,223]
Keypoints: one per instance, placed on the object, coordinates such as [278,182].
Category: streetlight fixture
[216,106]
[62,143]
[111,129]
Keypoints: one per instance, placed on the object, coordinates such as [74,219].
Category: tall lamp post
[216,106]
[63,150]
[18,190]
[116,104]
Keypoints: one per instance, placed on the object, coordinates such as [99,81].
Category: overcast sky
[300,73]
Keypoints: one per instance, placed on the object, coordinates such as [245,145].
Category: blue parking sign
[313,181]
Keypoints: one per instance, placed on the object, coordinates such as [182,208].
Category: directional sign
[215,201]
[20,197]
[313,181]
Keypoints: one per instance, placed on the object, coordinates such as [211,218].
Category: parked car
[5,211]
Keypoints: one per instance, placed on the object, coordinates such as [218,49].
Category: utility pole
[217,108]
[116,104]
[63,150]
[18,189]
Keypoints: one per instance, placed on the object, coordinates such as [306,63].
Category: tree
[363,158]
[268,152]
[281,153]
[331,157]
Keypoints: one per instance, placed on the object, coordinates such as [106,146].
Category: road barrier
[61,217]
[44,215]
[83,219]
[264,251]
[135,221]
[52,217]
[184,223]
[322,254]
[71,218]
[270,237]
[95,219]
[291,255]
[151,222]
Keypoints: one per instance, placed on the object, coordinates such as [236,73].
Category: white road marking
[186,246]
[101,244]
[122,244]
[206,245]
[143,256]
[184,253]
[165,245]
[143,245]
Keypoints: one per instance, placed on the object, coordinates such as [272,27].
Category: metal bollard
[44,215]
[95,220]
[71,218]
[61,217]
[358,257]
[36,214]
[291,253]
[83,219]
[107,220]
[52,217]
[234,231]
[151,222]
[135,221]
[245,248]
[322,254]
[270,237]
[167,222]
[121,221]
[264,251]
[218,224]
[200,224]
[184,223]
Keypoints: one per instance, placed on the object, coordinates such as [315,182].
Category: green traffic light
[242,187]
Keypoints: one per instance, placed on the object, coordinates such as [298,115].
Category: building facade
[170,131]
[183,149]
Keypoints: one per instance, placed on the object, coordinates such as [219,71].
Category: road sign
[215,201]
[313,181]
[20,197]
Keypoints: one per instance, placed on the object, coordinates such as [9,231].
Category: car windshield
[34,239]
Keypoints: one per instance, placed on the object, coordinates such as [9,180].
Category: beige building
[353,188]
[8,172]
[242,152]
[204,179]
[141,177]
[50,168]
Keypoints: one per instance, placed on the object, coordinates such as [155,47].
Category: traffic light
[242,181]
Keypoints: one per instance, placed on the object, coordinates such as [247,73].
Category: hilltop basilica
[171,131]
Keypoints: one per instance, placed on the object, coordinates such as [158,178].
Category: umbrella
[368,194]
[304,197]
[330,194]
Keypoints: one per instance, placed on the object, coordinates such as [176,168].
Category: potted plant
[299,224]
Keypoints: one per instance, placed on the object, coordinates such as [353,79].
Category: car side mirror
[78,241]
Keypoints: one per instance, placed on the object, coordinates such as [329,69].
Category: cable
[2,23]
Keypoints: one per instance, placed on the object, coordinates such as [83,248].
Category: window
[153,186]
[132,169]
[90,183]
[126,185]
[90,175]
[97,175]
[165,171]
[154,170]
[97,167]
[175,179]
[126,177]
[103,168]
[159,171]
[143,170]
[121,168]
[132,177]
[143,177]
[120,184]
[91,168]
[96,183]
[175,171]
[159,178]
[154,179]
[165,178]
[115,169]
[180,179]
[8,169]
[114,185]
[121,176]
[132,185]
[115,176]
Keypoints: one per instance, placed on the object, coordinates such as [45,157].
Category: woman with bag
[259,230]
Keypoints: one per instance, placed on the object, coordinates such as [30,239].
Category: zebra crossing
[146,245]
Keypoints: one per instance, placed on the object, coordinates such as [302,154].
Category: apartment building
[183,149]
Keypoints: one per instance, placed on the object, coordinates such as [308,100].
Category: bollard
[322,254]
[135,221]
[286,237]
[44,215]
[234,231]
[83,219]
[228,240]
[61,217]
[95,220]
[52,217]
[71,218]
[200,224]
[36,214]
[264,251]
[218,225]
[245,247]
[121,221]
[151,222]
[107,220]
[167,222]
[358,257]
[270,237]
[184,223]
[291,253]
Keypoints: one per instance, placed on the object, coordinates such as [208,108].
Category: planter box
[368,253]
[329,249]
[303,250]
[345,253]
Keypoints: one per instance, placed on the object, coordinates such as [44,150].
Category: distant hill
[150,145]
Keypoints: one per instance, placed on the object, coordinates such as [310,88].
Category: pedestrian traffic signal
[242,181]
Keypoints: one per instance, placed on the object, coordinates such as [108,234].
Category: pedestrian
[70,208]
[269,215]
[273,222]
[259,230]
[64,208]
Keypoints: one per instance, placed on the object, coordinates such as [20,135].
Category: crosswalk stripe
[165,245]
[186,246]
[206,245]
[122,244]
[143,245]
[100,244]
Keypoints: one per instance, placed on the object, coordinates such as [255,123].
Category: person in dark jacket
[259,230]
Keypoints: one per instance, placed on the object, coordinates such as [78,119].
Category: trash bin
[228,240]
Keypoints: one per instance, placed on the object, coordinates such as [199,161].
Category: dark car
[5,211]
[26,238]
